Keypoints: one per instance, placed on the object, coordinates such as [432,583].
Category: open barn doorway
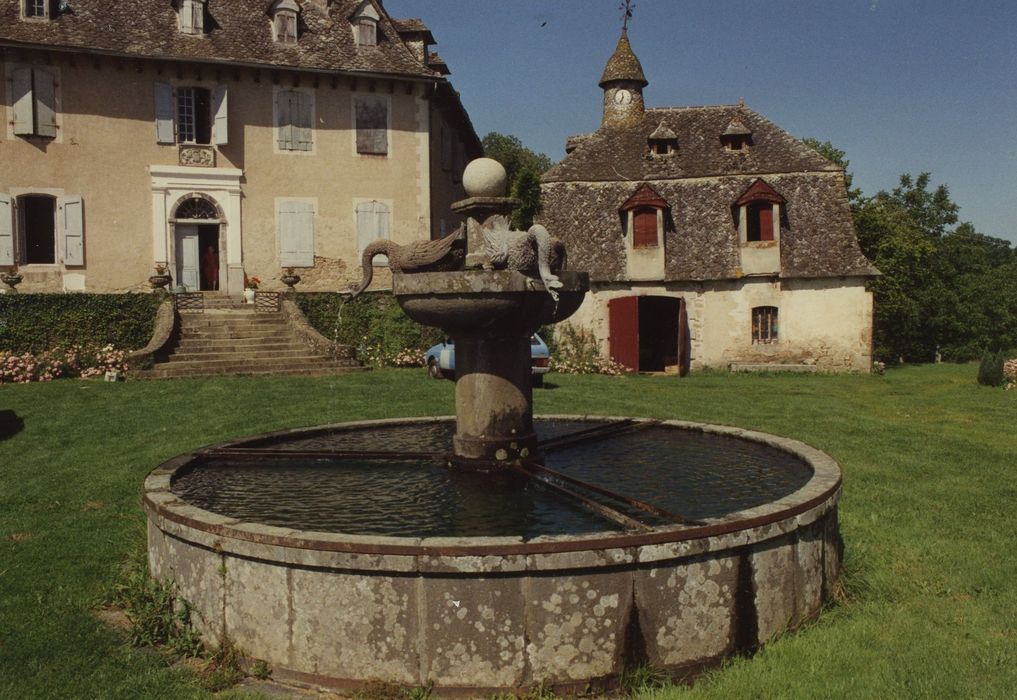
[649,333]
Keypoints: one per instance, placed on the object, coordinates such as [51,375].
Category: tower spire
[623,82]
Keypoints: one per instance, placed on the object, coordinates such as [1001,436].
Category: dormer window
[644,215]
[663,141]
[284,21]
[37,9]
[759,211]
[365,24]
[191,16]
[737,136]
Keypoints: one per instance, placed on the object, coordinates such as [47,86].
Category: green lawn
[928,515]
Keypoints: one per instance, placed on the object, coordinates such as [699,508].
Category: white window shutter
[303,127]
[284,113]
[381,219]
[296,234]
[220,110]
[365,225]
[6,230]
[165,113]
[44,88]
[24,123]
[73,229]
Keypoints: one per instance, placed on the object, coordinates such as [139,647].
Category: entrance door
[188,245]
[649,333]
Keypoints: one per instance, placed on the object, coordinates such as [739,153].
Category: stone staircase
[231,338]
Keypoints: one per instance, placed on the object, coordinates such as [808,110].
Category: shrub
[576,352]
[34,323]
[1010,373]
[73,361]
[372,323]
[990,370]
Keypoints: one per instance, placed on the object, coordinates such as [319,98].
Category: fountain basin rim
[493,554]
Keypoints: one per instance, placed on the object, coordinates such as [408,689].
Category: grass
[930,471]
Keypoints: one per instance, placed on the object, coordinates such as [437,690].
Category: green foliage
[838,157]
[524,168]
[990,369]
[644,678]
[372,323]
[576,352]
[38,322]
[157,616]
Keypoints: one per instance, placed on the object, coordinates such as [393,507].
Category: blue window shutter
[296,234]
[165,111]
[6,230]
[303,127]
[73,229]
[44,92]
[220,110]
[284,110]
[24,121]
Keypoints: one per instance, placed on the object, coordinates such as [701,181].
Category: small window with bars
[764,324]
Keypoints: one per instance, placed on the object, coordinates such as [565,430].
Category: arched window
[197,208]
[764,324]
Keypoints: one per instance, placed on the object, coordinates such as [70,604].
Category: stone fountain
[495,552]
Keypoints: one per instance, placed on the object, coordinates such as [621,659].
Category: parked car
[441,360]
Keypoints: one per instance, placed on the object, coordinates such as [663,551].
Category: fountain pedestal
[491,314]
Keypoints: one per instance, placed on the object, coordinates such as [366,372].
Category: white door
[187,258]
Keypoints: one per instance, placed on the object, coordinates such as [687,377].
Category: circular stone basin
[341,566]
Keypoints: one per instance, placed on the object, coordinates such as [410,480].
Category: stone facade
[125,153]
[744,228]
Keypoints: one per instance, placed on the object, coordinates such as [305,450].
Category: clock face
[622,97]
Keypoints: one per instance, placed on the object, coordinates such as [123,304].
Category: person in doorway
[210,268]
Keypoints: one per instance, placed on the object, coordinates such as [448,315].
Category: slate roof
[701,181]
[239,32]
[623,64]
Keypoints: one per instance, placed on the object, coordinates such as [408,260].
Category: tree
[524,168]
[837,157]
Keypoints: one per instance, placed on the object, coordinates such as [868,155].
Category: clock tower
[623,82]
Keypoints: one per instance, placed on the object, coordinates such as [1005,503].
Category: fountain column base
[494,398]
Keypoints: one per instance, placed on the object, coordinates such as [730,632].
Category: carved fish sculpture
[420,256]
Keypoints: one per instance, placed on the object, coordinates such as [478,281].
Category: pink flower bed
[73,361]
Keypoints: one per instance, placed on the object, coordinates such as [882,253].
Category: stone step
[234,334]
[171,372]
[220,320]
[241,345]
[295,351]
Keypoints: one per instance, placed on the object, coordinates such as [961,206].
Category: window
[372,124]
[32,227]
[284,21]
[294,119]
[188,114]
[365,24]
[759,223]
[737,136]
[34,101]
[39,9]
[644,226]
[196,209]
[662,147]
[764,324]
[373,219]
[191,16]
[296,233]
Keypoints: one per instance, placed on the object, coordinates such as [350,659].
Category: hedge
[39,322]
[372,323]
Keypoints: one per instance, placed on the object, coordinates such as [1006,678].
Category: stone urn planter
[159,281]
[12,279]
[289,278]
[249,296]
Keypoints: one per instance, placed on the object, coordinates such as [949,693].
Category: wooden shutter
[766,221]
[73,229]
[220,110]
[645,228]
[623,326]
[302,121]
[165,112]
[6,230]
[284,114]
[296,234]
[372,125]
[24,122]
[44,91]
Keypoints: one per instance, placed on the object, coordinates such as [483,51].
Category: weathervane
[626,7]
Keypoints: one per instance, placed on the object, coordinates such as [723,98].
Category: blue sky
[901,86]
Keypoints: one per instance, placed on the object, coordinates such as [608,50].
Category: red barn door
[623,324]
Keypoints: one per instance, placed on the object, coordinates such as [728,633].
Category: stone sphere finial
[485,177]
